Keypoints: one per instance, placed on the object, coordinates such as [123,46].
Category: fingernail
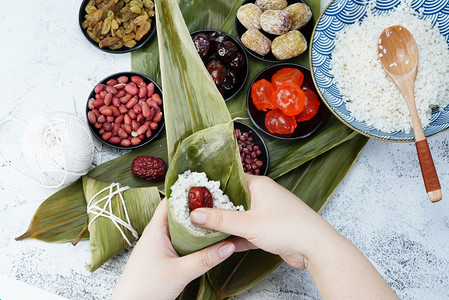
[198,217]
[226,250]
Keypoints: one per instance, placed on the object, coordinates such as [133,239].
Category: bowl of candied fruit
[224,58]
[274,30]
[282,102]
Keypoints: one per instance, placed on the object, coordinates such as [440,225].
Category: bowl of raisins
[224,58]
[253,149]
[117,26]
[282,101]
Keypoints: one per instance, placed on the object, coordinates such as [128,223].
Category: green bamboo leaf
[205,291]
[106,239]
[199,128]
[61,217]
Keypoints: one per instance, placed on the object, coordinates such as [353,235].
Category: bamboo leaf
[60,218]
[106,239]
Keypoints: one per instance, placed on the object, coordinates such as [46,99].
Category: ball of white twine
[58,148]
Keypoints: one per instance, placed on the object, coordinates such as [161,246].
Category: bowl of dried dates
[117,26]
[253,150]
[125,110]
[224,58]
[274,30]
[282,101]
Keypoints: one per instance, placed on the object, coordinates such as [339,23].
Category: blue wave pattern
[342,13]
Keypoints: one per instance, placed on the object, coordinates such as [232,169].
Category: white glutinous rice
[179,198]
[369,93]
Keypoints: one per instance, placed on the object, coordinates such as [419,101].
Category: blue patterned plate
[341,13]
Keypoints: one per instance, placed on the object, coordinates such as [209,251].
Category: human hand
[278,222]
[154,269]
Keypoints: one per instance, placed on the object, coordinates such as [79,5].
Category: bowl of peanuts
[125,110]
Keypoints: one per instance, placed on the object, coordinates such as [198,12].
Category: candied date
[202,45]
[230,80]
[217,38]
[227,51]
[218,72]
[237,62]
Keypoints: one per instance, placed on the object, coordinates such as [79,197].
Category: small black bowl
[140,44]
[258,140]
[155,133]
[306,31]
[305,128]
[242,74]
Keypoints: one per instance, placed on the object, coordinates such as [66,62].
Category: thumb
[198,263]
[224,220]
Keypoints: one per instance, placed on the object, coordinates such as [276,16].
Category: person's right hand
[278,222]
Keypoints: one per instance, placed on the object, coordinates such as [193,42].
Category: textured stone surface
[46,64]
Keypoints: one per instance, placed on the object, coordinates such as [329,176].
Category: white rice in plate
[179,198]
[370,94]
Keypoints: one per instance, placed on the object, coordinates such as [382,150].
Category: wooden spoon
[398,54]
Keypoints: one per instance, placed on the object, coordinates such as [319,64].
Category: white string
[58,149]
[106,210]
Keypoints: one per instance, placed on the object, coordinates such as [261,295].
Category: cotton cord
[57,147]
[103,208]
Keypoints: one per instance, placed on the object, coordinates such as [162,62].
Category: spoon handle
[428,171]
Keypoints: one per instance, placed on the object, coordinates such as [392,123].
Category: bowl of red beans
[282,102]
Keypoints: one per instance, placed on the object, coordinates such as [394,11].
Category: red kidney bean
[98,103]
[110,119]
[153,125]
[125,143]
[111,89]
[137,79]
[120,86]
[125,99]
[101,119]
[137,108]
[122,79]
[98,125]
[107,126]
[108,99]
[157,117]
[135,141]
[114,140]
[99,88]
[142,91]
[116,102]
[128,129]
[150,89]
[142,129]
[129,88]
[106,136]
[157,98]
[131,103]
[119,119]
[127,119]
[132,114]
[122,109]
[145,109]
[122,133]
[91,117]
[120,94]
[111,82]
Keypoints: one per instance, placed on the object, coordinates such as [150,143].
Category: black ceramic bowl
[155,133]
[305,128]
[140,44]
[242,74]
[257,139]
[306,31]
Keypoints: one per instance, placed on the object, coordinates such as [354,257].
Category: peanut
[92,118]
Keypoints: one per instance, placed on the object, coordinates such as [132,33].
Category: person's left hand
[154,269]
